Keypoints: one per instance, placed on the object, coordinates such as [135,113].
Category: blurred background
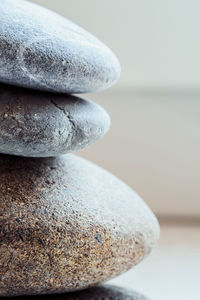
[154,141]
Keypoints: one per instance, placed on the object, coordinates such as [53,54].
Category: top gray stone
[42,50]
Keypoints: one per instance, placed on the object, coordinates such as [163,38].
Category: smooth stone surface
[105,292]
[66,224]
[39,124]
[42,50]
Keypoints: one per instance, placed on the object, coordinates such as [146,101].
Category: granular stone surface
[106,292]
[42,50]
[38,124]
[66,224]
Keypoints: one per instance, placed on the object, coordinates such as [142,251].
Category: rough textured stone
[106,292]
[38,124]
[42,50]
[66,224]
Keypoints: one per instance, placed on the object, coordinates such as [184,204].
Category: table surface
[172,271]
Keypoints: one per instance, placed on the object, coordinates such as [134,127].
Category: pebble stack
[65,223]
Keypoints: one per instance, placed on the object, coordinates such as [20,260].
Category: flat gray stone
[66,224]
[105,292]
[38,124]
[42,50]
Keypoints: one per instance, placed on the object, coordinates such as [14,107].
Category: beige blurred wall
[154,141]
[154,146]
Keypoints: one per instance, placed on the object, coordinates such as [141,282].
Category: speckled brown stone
[66,224]
[106,292]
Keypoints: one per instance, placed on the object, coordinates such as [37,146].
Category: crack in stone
[67,114]
[74,131]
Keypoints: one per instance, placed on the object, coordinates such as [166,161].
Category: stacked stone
[65,223]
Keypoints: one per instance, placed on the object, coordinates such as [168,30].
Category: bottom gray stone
[105,292]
